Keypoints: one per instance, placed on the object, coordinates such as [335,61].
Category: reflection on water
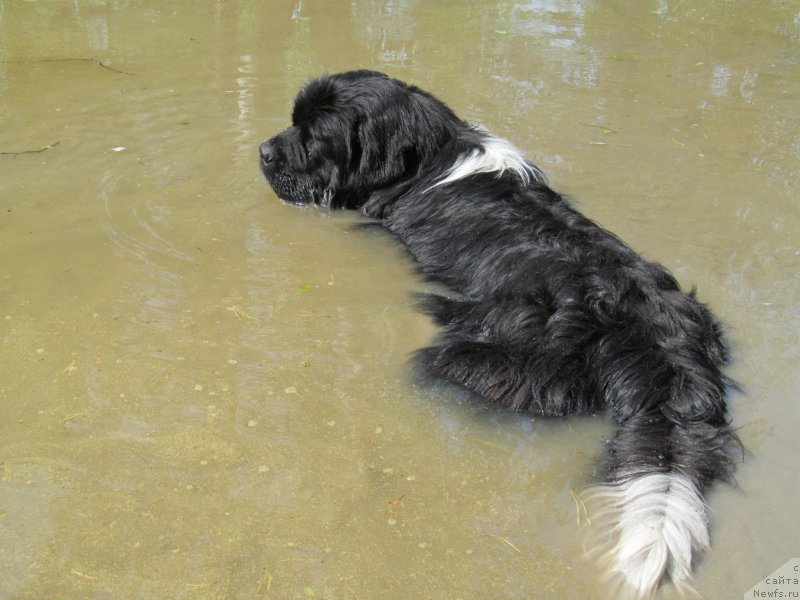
[204,391]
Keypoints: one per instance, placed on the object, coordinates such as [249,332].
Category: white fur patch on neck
[495,155]
[660,522]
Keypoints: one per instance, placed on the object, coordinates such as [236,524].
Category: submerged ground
[204,391]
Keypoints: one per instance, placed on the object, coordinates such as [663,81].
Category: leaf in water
[169,191]
[304,287]
[501,32]
[309,591]
[616,57]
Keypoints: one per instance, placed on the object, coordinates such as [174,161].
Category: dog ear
[386,142]
[316,98]
[403,135]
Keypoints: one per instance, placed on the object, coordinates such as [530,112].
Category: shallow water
[204,391]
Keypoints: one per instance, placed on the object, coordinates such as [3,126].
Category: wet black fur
[548,312]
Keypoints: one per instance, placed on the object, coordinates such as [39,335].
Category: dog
[545,311]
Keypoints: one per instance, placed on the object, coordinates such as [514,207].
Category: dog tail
[656,469]
[661,374]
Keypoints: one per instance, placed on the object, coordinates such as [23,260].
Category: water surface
[204,391]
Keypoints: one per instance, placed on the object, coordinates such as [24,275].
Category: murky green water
[203,391]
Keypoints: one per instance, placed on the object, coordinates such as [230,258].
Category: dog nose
[266,152]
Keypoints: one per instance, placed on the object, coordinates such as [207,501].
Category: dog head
[354,134]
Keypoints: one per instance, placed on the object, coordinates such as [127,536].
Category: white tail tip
[658,522]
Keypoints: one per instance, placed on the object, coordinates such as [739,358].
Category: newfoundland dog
[545,310]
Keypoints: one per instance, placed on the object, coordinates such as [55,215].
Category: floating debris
[42,149]
[506,541]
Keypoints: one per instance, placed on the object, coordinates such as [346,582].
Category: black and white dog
[548,313]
